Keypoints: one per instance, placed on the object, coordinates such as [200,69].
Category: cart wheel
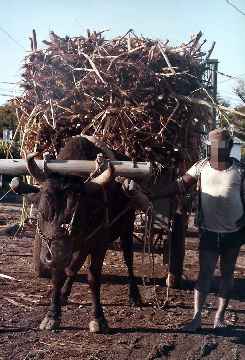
[39,268]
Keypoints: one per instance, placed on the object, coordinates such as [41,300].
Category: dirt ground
[152,332]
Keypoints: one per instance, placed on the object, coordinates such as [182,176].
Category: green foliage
[222,101]
[3,149]
[238,120]
[243,153]
[8,118]
[240,90]
[8,150]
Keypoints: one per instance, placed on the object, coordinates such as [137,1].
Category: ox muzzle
[56,251]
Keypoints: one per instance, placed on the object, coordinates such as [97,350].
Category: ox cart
[143,98]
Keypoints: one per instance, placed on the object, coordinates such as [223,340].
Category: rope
[148,248]
[5,194]
[44,239]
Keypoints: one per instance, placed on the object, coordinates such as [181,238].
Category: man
[219,179]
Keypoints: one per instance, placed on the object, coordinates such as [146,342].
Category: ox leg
[66,289]
[127,248]
[53,317]
[78,259]
[99,323]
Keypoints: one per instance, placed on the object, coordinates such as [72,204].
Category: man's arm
[241,221]
[179,186]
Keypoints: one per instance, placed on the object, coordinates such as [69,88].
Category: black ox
[77,219]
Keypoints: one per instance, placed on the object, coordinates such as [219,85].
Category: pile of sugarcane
[142,97]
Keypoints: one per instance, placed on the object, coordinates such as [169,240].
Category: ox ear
[20,187]
[100,181]
[33,169]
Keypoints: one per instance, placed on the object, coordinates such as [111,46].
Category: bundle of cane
[140,96]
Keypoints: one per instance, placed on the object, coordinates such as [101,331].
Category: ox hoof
[49,323]
[98,326]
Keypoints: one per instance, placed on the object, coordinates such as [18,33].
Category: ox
[77,219]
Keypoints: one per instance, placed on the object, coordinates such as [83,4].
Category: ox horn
[33,169]
[20,187]
[101,180]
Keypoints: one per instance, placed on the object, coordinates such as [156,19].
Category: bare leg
[207,261]
[227,265]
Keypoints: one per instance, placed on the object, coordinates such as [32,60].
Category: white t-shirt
[220,196]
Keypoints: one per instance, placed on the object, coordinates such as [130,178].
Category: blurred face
[220,150]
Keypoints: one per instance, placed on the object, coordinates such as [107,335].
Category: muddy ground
[148,333]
